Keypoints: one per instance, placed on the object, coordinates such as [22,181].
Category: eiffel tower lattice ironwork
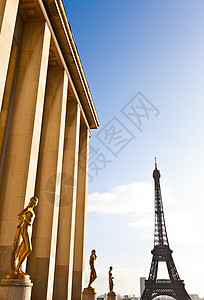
[174,286]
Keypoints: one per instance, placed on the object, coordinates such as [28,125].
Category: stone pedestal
[15,289]
[88,294]
[111,296]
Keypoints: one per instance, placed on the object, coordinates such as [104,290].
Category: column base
[111,296]
[88,294]
[15,289]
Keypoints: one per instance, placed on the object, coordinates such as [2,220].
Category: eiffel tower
[174,286]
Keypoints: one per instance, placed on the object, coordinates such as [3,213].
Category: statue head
[33,201]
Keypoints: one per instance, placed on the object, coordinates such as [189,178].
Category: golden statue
[110,279]
[93,275]
[20,251]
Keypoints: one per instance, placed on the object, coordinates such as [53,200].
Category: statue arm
[21,216]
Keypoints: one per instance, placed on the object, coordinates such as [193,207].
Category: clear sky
[154,48]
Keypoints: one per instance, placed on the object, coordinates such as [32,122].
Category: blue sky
[156,48]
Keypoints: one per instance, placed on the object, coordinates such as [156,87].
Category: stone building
[46,115]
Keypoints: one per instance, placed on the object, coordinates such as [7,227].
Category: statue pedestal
[87,294]
[111,296]
[15,289]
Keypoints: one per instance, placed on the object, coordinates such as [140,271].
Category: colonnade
[45,120]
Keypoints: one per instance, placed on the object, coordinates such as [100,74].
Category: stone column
[8,15]
[7,102]
[81,208]
[20,166]
[41,263]
[65,240]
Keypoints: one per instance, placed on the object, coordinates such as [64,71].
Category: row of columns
[43,144]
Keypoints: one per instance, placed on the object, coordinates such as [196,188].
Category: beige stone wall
[44,137]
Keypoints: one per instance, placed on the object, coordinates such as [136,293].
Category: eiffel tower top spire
[160,234]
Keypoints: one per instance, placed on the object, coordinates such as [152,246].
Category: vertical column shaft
[66,230]
[8,15]
[30,187]
[81,208]
[9,91]
[41,262]
[21,157]
[6,104]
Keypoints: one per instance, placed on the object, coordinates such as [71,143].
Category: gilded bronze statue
[20,251]
[110,279]
[93,275]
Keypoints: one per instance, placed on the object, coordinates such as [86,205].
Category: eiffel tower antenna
[154,287]
[155,162]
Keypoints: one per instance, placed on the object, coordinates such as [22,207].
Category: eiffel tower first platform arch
[154,287]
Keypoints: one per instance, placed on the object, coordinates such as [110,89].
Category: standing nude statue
[93,275]
[21,251]
[110,279]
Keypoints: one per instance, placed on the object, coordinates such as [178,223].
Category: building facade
[142,285]
[46,113]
